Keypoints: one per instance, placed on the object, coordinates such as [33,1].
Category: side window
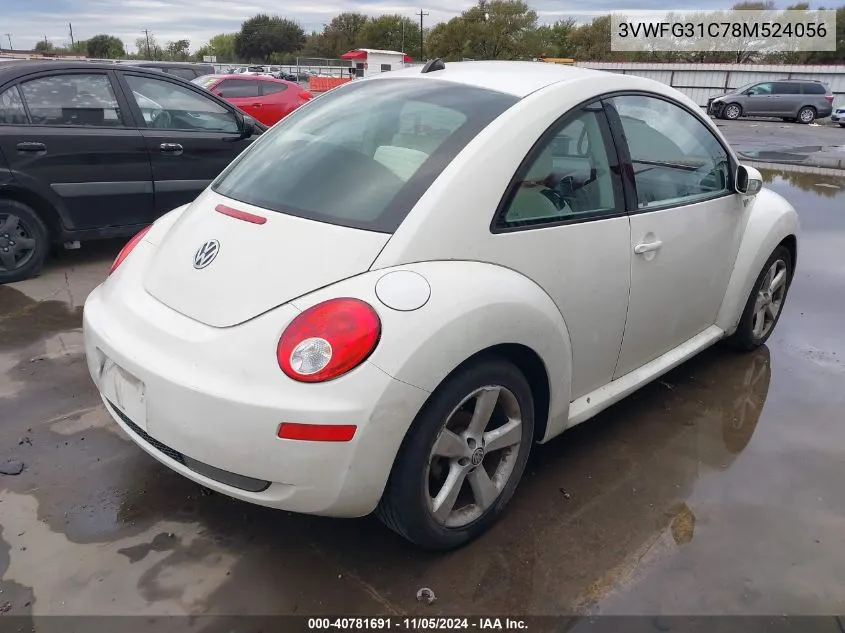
[787,88]
[184,73]
[12,111]
[385,67]
[814,89]
[72,100]
[237,88]
[168,106]
[271,87]
[761,89]
[569,177]
[676,159]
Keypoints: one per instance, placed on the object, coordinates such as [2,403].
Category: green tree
[147,46]
[261,36]
[391,32]
[343,33]
[222,46]
[105,47]
[178,50]
[44,46]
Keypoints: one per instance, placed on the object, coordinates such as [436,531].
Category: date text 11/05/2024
[417,624]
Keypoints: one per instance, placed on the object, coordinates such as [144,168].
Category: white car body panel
[203,346]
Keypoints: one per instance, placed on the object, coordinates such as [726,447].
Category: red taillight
[829,98]
[328,340]
[130,245]
[305,95]
[317,432]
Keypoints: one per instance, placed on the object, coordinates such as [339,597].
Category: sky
[28,21]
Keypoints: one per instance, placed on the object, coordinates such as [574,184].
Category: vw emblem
[477,456]
[206,253]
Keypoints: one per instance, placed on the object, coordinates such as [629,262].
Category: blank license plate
[126,392]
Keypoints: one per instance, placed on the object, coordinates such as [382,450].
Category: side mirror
[246,127]
[749,182]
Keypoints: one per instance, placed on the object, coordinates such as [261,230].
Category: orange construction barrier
[321,84]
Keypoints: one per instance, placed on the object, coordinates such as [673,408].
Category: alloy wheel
[770,297]
[806,115]
[17,246]
[732,111]
[474,456]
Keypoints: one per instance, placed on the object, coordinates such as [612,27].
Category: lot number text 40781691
[417,624]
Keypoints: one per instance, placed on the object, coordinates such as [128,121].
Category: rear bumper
[213,400]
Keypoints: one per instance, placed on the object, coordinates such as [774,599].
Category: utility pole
[147,33]
[9,35]
[421,14]
[72,43]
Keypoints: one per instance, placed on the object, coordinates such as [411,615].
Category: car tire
[806,115]
[732,111]
[24,242]
[408,505]
[750,334]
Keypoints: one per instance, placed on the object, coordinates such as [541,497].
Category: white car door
[563,224]
[685,228]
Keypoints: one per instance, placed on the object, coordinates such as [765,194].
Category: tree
[44,46]
[222,46]
[178,50]
[147,46]
[391,32]
[261,36]
[105,47]
[592,41]
[343,33]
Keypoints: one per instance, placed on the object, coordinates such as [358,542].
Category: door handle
[647,247]
[170,148]
[256,105]
[31,147]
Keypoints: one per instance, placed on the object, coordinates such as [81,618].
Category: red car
[264,98]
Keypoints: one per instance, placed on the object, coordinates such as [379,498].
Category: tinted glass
[676,159]
[385,67]
[72,100]
[166,105]
[786,88]
[184,73]
[570,176]
[230,88]
[814,89]
[363,154]
[761,89]
[11,107]
[271,87]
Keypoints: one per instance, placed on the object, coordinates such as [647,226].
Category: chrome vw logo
[206,253]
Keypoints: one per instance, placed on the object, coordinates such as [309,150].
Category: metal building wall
[700,81]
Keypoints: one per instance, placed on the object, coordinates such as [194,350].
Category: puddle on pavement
[713,490]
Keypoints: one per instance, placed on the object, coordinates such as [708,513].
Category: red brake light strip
[240,215]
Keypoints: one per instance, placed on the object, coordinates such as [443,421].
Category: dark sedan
[92,150]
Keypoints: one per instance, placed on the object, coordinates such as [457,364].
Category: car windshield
[205,80]
[362,155]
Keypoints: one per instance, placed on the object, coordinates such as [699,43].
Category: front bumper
[213,399]
[714,108]
[838,117]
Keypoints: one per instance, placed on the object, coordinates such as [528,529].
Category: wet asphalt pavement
[718,489]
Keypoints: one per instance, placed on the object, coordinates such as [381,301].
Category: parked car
[794,100]
[99,150]
[384,303]
[263,97]
[185,70]
[838,116]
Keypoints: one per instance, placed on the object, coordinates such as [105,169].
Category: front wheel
[24,242]
[463,457]
[732,111]
[765,304]
[806,115]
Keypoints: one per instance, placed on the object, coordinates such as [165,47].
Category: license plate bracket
[126,392]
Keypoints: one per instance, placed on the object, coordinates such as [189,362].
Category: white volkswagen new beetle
[397,290]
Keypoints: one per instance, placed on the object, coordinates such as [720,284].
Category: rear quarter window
[814,89]
[362,155]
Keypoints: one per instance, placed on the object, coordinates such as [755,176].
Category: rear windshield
[362,155]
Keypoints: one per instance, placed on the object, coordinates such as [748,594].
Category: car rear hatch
[223,270]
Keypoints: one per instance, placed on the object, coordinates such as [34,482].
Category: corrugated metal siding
[701,81]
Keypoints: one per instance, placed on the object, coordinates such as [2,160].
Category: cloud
[28,21]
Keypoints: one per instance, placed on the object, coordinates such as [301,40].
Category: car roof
[515,78]
[16,68]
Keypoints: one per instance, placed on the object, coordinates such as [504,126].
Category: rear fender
[472,306]
[771,220]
